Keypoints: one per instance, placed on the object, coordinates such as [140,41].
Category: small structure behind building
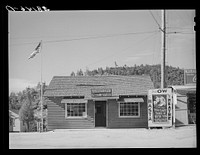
[185,109]
[14,122]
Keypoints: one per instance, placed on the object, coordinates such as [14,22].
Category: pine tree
[79,73]
[72,74]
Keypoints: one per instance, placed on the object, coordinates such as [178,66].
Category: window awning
[133,100]
[105,98]
[73,101]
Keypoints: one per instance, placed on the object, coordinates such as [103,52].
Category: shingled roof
[82,85]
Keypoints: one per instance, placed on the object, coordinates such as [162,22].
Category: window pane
[129,109]
[75,109]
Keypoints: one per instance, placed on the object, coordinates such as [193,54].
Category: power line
[93,37]
[180,27]
[122,51]
[175,32]
[155,20]
[105,36]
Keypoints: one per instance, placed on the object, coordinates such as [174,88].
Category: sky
[74,40]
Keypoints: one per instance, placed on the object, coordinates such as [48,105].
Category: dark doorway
[192,107]
[100,113]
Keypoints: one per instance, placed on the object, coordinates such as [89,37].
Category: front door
[100,113]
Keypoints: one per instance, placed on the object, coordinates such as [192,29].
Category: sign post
[160,107]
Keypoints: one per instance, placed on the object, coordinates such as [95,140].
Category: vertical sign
[190,76]
[160,107]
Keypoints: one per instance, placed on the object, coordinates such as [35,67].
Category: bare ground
[106,138]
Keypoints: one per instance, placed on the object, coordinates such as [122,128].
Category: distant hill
[174,75]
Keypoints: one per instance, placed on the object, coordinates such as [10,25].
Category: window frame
[128,116]
[75,117]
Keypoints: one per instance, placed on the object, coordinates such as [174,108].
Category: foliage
[79,73]
[29,105]
[72,74]
[174,76]
[26,112]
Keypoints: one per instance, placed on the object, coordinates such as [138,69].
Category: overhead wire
[180,27]
[155,20]
[154,49]
[123,50]
[90,37]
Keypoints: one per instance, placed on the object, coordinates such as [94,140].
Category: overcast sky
[126,36]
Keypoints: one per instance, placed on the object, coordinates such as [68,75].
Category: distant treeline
[174,75]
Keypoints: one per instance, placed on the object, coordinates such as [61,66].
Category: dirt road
[106,138]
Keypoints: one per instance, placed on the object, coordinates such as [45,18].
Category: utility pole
[163,35]
[41,98]
[41,107]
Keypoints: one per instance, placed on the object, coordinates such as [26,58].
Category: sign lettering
[101,92]
[160,107]
[161,90]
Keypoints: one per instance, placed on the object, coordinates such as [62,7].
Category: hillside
[174,76]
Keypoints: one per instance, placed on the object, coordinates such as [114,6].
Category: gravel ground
[106,138]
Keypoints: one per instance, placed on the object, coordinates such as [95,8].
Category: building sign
[101,92]
[160,107]
[190,76]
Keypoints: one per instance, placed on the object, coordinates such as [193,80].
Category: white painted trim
[128,116]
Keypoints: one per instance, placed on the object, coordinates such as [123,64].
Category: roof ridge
[102,76]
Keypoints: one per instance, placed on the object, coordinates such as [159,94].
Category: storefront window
[75,109]
[129,109]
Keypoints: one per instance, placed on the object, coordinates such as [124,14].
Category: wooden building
[97,101]
[185,109]
[14,122]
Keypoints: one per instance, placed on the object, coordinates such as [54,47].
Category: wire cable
[93,37]
[155,20]
[122,51]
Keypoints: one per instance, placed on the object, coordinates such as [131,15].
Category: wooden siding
[114,121]
[57,120]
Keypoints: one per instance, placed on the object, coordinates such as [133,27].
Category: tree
[72,74]
[13,101]
[174,76]
[100,71]
[87,72]
[26,113]
[79,73]
[28,103]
